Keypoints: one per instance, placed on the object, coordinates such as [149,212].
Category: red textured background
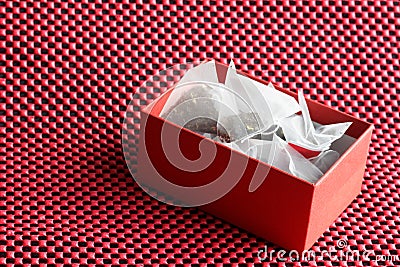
[69,68]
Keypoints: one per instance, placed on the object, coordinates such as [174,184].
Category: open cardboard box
[285,210]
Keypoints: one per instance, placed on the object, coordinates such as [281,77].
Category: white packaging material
[299,130]
[255,119]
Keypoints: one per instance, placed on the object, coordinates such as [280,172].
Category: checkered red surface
[69,68]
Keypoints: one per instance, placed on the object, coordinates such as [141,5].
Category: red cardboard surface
[303,210]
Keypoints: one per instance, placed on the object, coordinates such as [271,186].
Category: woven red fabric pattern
[68,69]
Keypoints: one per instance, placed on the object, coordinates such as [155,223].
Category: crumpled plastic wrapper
[253,118]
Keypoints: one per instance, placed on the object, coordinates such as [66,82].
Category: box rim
[344,155]
[148,108]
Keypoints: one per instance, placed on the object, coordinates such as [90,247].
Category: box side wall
[338,188]
[287,211]
[277,211]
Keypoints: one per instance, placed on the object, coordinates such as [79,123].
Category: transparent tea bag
[194,105]
[260,105]
[278,153]
[201,104]
[300,130]
[325,160]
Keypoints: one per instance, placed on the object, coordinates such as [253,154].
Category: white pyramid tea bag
[265,103]
[281,104]
[299,130]
[201,104]
[198,81]
[286,158]
[325,160]
[253,118]
[194,102]
[185,107]
[279,154]
[204,72]
[249,99]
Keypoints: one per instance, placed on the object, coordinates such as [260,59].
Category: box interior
[321,114]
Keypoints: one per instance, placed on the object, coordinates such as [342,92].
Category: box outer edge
[370,127]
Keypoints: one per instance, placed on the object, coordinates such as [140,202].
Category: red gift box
[284,209]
